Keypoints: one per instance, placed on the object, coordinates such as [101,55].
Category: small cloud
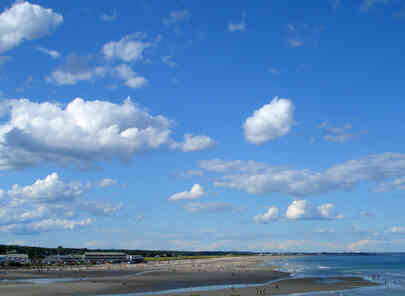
[176,16]
[193,143]
[52,53]
[336,134]
[270,122]
[295,42]
[396,230]
[109,17]
[365,213]
[238,27]
[107,182]
[198,207]
[192,173]
[270,215]
[196,191]
[168,61]
[274,71]
[325,230]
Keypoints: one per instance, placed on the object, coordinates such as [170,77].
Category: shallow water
[385,269]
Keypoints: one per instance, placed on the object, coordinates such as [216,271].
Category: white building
[105,257]
[17,258]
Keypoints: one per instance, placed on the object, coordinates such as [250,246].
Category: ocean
[388,269]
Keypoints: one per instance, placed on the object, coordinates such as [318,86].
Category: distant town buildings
[15,258]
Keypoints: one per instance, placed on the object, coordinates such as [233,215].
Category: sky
[203,125]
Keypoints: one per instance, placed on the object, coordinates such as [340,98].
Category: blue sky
[198,125]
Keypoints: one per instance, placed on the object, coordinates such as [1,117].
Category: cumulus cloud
[69,76]
[271,121]
[238,27]
[260,178]
[271,215]
[50,204]
[198,207]
[60,77]
[26,21]
[196,191]
[396,229]
[49,189]
[304,210]
[131,78]
[52,53]
[193,143]
[176,16]
[129,49]
[300,210]
[81,133]
[107,182]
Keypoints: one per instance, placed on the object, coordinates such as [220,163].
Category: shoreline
[162,278]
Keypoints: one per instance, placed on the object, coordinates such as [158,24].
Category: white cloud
[168,61]
[270,215]
[238,27]
[176,16]
[362,244]
[396,184]
[336,134]
[25,21]
[223,166]
[49,189]
[396,229]
[129,49]
[131,78]
[270,122]
[45,225]
[193,143]
[61,77]
[123,71]
[1,193]
[198,207]
[109,17]
[295,42]
[52,53]
[192,173]
[51,204]
[259,178]
[196,191]
[107,182]
[300,210]
[81,133]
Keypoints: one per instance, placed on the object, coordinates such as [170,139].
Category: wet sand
[172,275]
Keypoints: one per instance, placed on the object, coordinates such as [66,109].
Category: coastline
[110,280]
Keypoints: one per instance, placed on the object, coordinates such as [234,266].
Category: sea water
[387,269]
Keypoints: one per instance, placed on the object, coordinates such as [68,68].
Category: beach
[162,276]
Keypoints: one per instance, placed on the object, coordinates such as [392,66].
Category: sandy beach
[160,276]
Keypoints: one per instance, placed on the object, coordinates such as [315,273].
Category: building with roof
[102,257]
